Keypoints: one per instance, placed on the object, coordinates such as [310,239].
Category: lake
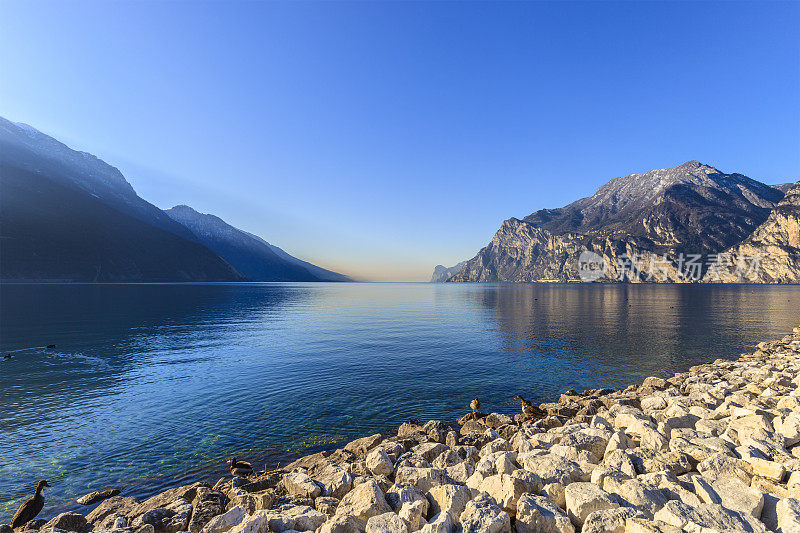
[156,384]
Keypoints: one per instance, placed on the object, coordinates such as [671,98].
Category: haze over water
[152,385]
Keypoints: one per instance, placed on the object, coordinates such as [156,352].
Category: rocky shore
[713,449]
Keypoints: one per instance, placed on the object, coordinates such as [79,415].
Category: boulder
[401,493]
[326,504]
[737,496]
[705,491]
[252,502]
[582,499]
[720,465]
[788,510]
[280,519]
[66,522]
[483,515]
[610,520]
[364,501]
[423,478]
[386,523]
[592,441]
[334,480]
[429,450]
[301,484]
[451,499]
[496,420]
[537,514]
[97,496]
[225,521]
[767,469]
[642,496]
[363,445]
[413,514]
[343,524]
[440,523]
[379,463]
[207,504]
[506,489]
[103,516]
[707,515]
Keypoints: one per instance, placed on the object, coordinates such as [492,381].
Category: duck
[528,409]
[7,356]
[28,510]
[51,346]
[475,405]
[240,468]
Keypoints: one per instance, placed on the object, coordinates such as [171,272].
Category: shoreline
[628,454]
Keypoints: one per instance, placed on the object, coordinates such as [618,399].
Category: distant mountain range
[252,256]
[69,216]
[642,227]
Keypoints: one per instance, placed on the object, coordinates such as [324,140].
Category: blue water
[153,385]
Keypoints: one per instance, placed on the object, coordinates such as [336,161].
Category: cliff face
[771,254]
[659,226]
[443,273]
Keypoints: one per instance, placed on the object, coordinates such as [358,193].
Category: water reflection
[154,384]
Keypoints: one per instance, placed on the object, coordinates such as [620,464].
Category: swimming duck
[51,346]
[28,510]
[7,356]
[240,468]
[528,409]
[475,405]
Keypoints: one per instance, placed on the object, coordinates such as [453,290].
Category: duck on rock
[28,510]
[475,405]
[240,468]
[528,409]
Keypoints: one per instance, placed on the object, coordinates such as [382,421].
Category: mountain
[639,226]
[50,231]
[254,257]
[771,254]
[69,216]
[442,273]
[26,148]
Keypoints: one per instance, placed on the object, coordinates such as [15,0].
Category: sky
[380,139]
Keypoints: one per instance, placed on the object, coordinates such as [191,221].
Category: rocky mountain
[783,187]
[657,226]
[254,257]
[771,254]
[443,273]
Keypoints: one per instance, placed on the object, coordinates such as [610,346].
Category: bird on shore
[528,409]
[475,405]
[240,468]
[28,510]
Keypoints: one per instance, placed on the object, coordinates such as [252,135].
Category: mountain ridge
[251,255]
[692,208]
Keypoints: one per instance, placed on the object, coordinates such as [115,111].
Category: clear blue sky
[379,139]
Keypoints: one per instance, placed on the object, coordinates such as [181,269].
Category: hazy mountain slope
[689,209]
[252,256]
[321,273]
[26,148]
[771,254]
[52,231]
[443,273]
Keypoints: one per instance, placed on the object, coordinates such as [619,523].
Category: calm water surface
[152,385]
